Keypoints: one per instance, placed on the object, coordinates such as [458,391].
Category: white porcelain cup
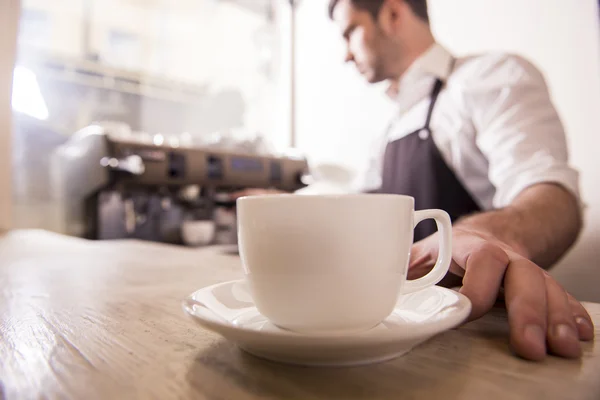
[332,263]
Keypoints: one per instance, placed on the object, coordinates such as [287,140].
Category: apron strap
[437,88]
[433,96]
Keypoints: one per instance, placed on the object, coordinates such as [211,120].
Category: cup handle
[444,225]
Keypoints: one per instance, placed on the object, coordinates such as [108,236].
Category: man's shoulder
[486,71]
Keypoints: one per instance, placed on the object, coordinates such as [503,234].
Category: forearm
[541,224]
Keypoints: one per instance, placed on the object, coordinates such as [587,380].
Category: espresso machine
[110,187]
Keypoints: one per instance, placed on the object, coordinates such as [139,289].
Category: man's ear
[390,14]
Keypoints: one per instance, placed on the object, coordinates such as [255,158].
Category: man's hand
[254,192]
[542,316]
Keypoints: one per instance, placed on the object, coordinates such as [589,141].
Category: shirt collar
[434,62]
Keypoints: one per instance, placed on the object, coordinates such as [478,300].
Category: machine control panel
[207,166]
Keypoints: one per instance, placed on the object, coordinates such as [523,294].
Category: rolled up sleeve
[520,132]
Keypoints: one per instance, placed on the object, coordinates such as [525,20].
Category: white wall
[337,112]
[560,36]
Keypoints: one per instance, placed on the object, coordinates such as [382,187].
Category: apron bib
[413,166]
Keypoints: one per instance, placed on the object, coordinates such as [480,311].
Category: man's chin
[372,79]
[370,76]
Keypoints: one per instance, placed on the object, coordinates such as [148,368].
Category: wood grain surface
[103,320]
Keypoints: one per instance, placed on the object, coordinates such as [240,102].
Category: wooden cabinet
[9,11]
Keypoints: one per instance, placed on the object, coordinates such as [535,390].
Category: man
[479,138]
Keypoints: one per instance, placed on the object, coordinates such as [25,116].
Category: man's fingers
[417,272]
[525,297]
[253,192]
[484,269]
[563,336]
[245,192]
[585,326]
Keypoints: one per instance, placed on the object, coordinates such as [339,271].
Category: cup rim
[278,196]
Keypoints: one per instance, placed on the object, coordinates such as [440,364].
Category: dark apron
[413,166]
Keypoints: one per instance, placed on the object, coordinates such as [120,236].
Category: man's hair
[419,7]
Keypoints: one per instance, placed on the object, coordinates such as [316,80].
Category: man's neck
[419,42]
[415,48]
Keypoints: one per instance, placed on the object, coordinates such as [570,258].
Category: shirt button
[423,134]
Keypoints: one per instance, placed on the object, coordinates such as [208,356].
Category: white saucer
[228,310]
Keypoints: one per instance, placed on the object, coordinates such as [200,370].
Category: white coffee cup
[333,263]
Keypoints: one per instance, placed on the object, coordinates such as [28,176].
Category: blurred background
[268,75]
[171,70]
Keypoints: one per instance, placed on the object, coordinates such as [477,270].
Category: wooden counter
[92,320]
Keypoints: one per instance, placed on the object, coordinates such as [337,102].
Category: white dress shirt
[493,123]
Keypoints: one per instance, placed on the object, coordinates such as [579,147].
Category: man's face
[366,42]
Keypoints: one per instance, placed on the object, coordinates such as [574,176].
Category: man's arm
[494,250]
[541,224]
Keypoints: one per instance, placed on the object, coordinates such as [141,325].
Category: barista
[479,138]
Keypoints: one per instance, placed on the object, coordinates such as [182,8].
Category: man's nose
[349,57]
